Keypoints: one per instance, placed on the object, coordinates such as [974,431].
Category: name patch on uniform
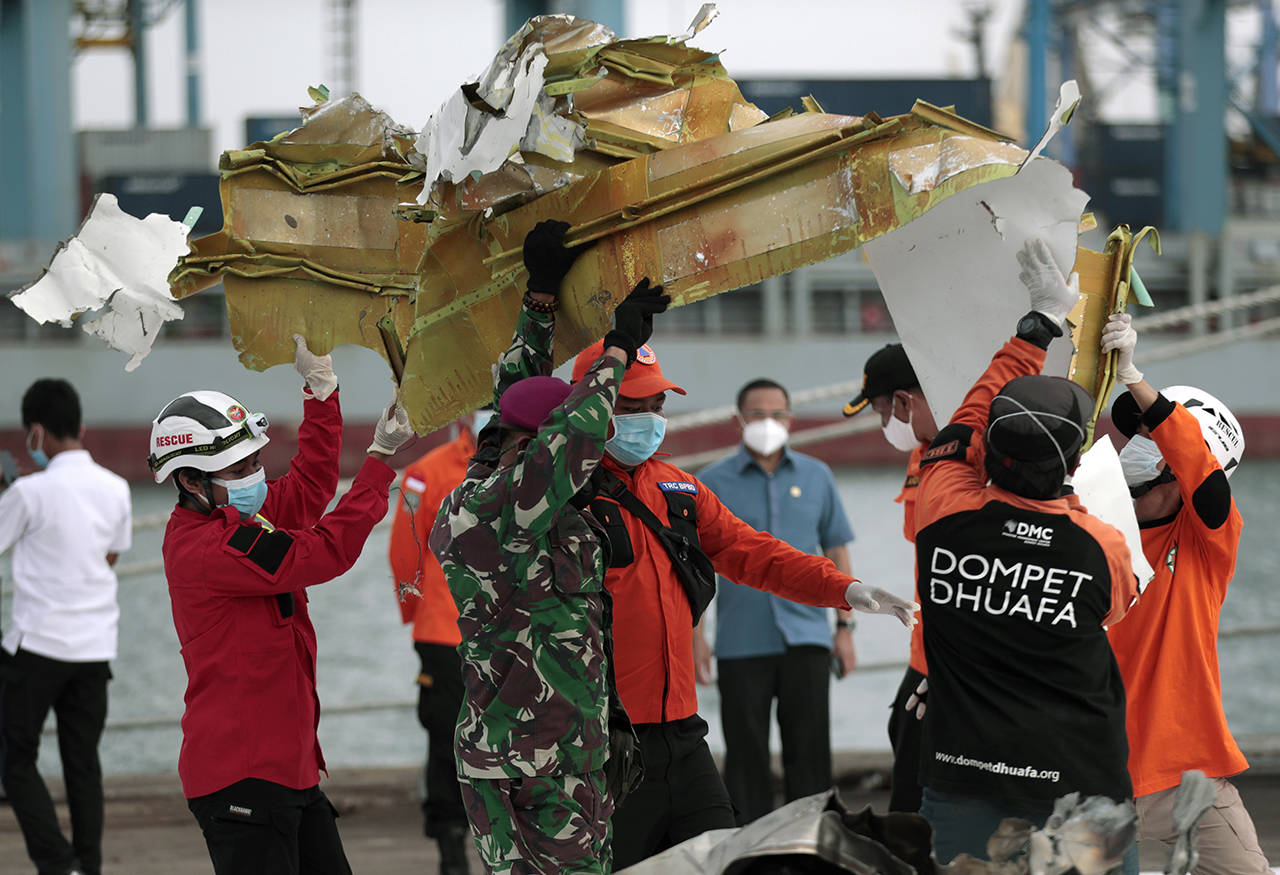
[678,486]
[951,443]
[265,549]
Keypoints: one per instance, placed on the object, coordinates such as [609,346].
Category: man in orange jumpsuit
[1183,445]
[425,601]
[660,585]
[891,389]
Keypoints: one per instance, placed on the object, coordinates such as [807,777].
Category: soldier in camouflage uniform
[526,569]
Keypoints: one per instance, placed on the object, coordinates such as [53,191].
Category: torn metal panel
[117,263]
[972,239]
[310,240]
[678,179]
[1063,110]
[704,218]
[564,91]
[924,168]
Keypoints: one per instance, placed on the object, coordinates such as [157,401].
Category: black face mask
[1165,476]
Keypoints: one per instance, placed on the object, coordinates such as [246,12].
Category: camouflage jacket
[526,571]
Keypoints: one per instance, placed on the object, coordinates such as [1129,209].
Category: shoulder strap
[611,486]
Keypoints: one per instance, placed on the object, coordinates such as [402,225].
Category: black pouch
[693,568]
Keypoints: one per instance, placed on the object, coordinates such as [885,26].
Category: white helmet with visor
[205,430]
[1218,426]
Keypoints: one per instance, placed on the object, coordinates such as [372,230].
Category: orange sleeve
[1201,483]
[403,549]
[952,468]
[759,560]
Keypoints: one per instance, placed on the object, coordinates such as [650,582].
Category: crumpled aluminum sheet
[818,828]
[561,88]
[117,263]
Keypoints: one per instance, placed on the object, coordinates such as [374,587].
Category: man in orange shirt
[1183,445]
[425,601]
[660,585]
[890,387]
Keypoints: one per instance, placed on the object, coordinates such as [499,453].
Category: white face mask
[900,435]
[765,436]
[1140,460]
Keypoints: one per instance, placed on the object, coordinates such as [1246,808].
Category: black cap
[886,371]
[1031,454]
[1054,414]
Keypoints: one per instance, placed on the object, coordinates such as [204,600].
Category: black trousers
[904,738]
[76,692]
[681,796]
[256,827]
[439,701]
[800,680]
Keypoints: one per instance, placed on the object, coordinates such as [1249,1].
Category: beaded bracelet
[538,306]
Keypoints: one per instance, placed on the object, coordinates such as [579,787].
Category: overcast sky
[259,56]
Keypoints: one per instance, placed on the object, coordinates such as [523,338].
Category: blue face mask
[246,494]
[637,436]
[37,453]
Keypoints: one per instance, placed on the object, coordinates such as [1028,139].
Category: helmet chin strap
[206,496]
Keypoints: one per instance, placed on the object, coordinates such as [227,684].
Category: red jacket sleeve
[299,497]
[953,466]
[247,560]
[760,560]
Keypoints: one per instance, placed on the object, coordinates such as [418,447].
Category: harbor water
[367,666]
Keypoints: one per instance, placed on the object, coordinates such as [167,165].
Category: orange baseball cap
[642,379]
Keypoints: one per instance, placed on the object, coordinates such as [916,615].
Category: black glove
[633,318]
[547,258]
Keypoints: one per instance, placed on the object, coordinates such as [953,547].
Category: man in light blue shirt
[767,647]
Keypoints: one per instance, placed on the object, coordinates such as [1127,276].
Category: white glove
[1050,293]
[392,431]
[915,702]
[874,600]
[1119,336]
[317,370]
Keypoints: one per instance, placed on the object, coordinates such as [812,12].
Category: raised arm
[301,495]
[547,261]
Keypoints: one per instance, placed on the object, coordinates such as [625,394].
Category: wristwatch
[845,624]
[1037,328]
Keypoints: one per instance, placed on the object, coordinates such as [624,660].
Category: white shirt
[62,522]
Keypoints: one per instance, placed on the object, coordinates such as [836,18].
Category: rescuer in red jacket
[654,610]
[239,553]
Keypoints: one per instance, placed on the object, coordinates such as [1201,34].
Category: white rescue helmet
[205,430]
[1220,429]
